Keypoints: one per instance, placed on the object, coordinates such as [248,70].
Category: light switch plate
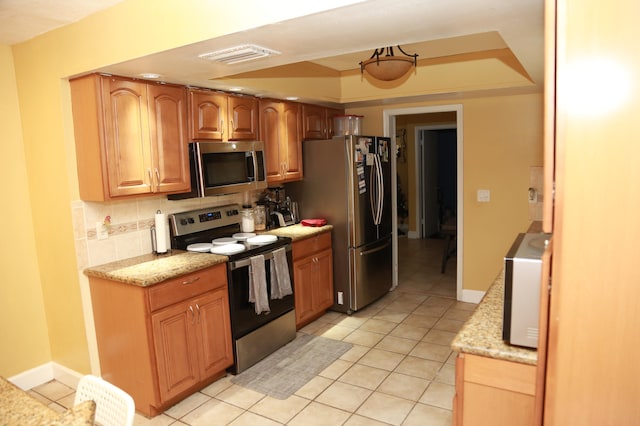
[484,195]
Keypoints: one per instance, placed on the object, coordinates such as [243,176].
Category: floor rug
[289,368]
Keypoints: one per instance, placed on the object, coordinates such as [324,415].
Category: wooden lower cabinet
[163,342]
[312,277]
[493,392]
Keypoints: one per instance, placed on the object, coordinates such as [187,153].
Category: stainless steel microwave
[219,168]
[522,282]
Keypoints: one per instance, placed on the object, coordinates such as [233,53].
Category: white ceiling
[21,20]
[337,39]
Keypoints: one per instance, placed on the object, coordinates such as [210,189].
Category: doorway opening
[436,174]
[428,216]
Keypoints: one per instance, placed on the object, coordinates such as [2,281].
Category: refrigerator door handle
[379,189]
[373,201]
[377,249]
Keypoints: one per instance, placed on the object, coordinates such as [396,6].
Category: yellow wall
[41,68]
[502,138]
[41,273]
[23,326]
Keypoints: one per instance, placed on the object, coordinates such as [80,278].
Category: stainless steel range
[254,335]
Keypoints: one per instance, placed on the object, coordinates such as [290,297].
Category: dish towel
[258,284]
[280,279]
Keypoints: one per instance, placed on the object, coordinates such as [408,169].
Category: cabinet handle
[231,125]
[221,127]
[193,315]
[157,177]
[150,177]
[198,308]
[191,281]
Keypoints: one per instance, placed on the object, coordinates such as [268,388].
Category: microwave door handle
[252,165]
[199,169]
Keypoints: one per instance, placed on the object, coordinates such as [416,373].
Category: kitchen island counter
[482,333]
[150,269]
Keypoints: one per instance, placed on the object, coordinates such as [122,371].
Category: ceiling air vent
[233,55]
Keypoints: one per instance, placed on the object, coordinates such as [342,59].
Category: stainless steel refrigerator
[347,181]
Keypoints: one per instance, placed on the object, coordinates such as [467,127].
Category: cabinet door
[314,122]
[291,142]
[243,118]
[270,118]
[168,128]
[214,332]
[208,112]
[127,143]
[175,347]
[331,113]
[323,286]
[303,277]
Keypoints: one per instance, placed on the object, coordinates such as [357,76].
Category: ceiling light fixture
[388,67]
[233,55]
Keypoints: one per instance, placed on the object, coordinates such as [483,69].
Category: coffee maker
[279,207]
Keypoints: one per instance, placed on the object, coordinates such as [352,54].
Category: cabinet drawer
[311,245]
[187,286]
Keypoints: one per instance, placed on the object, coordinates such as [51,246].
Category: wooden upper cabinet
[207,115]
[127,142]
[221,117]
[243,118]
[270,132]
[331,113]
[280,131]
[317,121]
[168,124]
[130,137]
[314,122]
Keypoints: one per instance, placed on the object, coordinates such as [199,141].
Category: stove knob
[183,222]
[191,220]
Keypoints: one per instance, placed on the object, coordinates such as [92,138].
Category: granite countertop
[482,333]
[299,232]
[17,407]
[150,269]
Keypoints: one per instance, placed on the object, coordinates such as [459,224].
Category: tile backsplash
[129,225]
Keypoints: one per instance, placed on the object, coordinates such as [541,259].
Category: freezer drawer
[371,270]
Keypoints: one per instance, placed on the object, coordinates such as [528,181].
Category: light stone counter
[482,333]
[152,269]
[17,407]
[298,231]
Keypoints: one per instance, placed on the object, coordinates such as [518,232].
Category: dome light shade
[388,67]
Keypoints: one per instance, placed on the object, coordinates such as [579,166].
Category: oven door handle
[247,261]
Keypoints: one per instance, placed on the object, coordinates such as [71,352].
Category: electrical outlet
[484,195]
[102,233]
[340,298]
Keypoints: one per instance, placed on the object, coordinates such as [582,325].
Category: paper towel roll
[161,232]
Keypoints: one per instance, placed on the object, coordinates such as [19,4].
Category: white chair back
[114,407]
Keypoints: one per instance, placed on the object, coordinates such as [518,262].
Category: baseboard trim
[45,373]
[472,296]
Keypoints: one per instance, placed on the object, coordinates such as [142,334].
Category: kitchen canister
[248,220]
[260,219]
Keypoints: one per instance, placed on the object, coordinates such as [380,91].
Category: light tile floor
[400,370]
